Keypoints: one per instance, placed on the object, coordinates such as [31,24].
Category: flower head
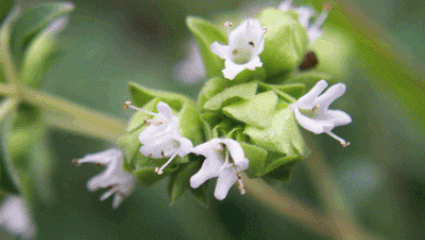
[225,159]
[304,14]
[312,111]
[15,218]
[191,69]
[161,138]
[113,178]
[246,42]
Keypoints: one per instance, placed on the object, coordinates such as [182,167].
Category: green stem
[76,125]
[330,194]
[75,115]
[8,89]
[290,207]
[6,106]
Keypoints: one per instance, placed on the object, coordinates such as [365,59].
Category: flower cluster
[15,218]
[247,125]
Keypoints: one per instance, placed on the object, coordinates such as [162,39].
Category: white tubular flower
[225,159]
[114,179]
[15,218]
[246,42]
[162,139]
[304,14]
[312,111]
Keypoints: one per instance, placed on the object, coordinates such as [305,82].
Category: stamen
[159,171]
[323,15]
[251,43]
[227,25]
[99,164]
[241,187]
[265,30]
[163,153]
[342,141]
[315,108]
[327,6]
[75,161]
[128,105]
[235,52]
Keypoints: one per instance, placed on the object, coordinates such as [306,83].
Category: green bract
[285,44]
[257,115]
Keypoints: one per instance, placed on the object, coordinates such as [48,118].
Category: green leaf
[309,78]
[5,8]
[180,180]
[282,135]
[296,90]
[256,111]
[279,168]
[33,20]
[256,157]
[211,88]
[205,34]
[285,41]
[231,94]
[40,51]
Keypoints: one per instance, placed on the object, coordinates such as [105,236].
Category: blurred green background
[381,175]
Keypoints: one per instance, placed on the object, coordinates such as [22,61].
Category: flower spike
[246,42]
[114,179]
[312,111]
[161,138]
[225,159]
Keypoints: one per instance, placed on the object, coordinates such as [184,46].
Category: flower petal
[304,15]
[333,93]
[165,111]
[338,117]
[103,157]
[221,50]
[307,101]
[308,123]
[225,181]
[236,151]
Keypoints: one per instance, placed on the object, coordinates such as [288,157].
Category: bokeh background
[375,47]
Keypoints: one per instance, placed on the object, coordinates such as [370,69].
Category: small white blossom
[225,159]
[191,69]
[114,178]
[162,139]
[15,218]
[304,14]
[320,119]
[246,42]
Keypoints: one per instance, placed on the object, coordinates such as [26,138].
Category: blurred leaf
[31,22]
[285,41]
[256,157]
[40,51]
[5,8]
[205,34]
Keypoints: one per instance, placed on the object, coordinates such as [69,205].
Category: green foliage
[257,115]
[31,23]
[205,34]
[5,7]
[285,42]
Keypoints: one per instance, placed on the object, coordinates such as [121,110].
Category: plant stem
[6,106]
[291,207]
[330,194]
[8,89]
[76,125]
[76,115]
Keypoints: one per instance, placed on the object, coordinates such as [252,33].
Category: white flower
[162,139]
[113,178]
[225,159]
[246,42]
[191,69]
[304,15]
[15,218]
[322,120]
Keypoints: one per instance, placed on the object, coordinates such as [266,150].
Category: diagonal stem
[6,106]
[6,58]
[74,115]
[291,207]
